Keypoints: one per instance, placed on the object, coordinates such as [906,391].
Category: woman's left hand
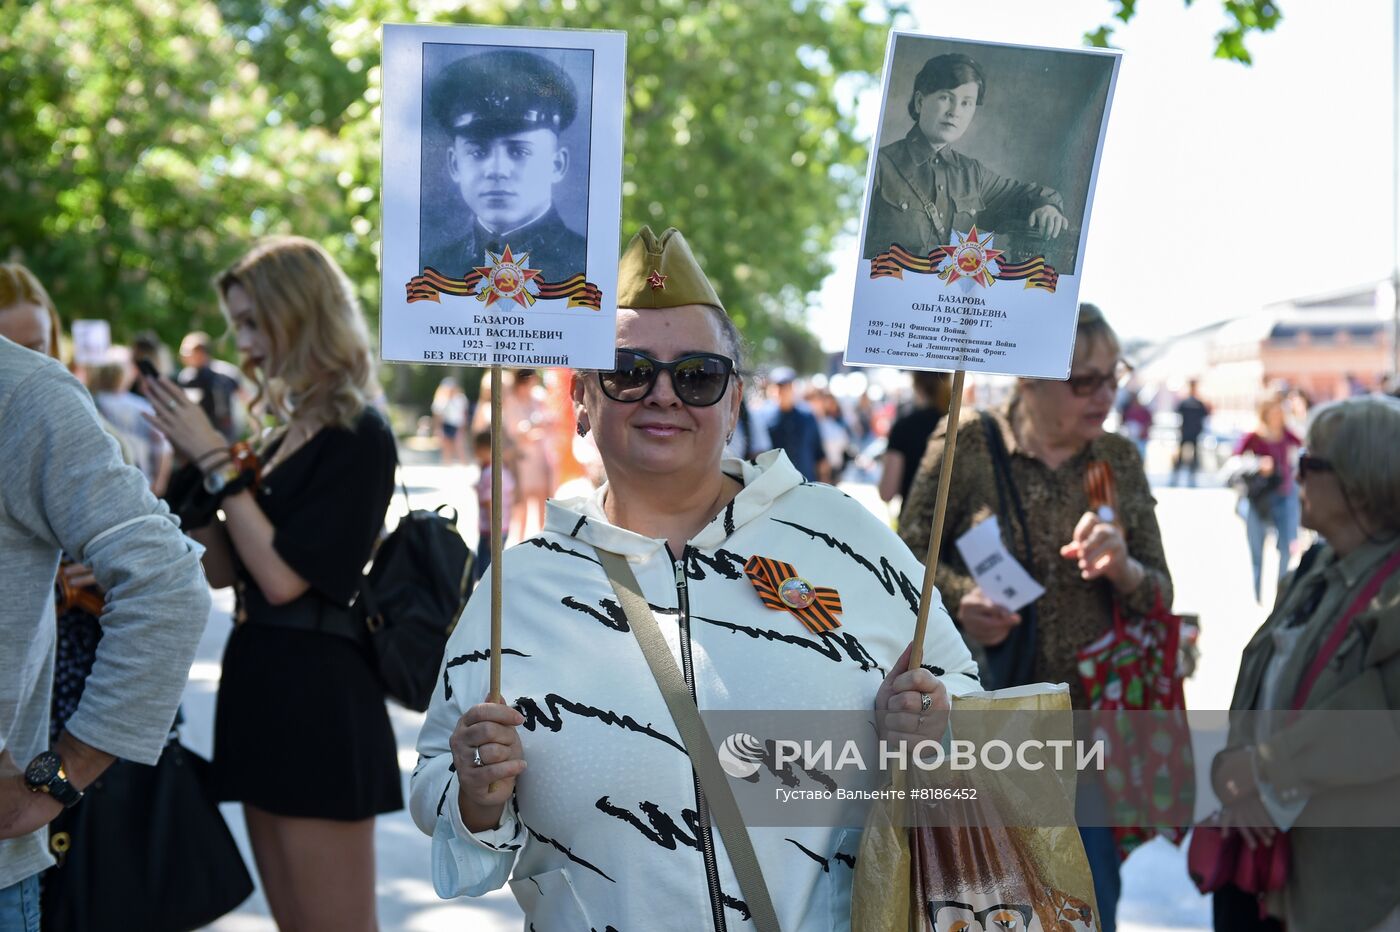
[917,702]
[1250,819]
[183,422]
[1101,551]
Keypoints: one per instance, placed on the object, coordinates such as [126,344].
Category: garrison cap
[660,272]
[501,92]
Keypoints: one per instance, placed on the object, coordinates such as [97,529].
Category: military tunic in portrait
[557,251]
[921,196]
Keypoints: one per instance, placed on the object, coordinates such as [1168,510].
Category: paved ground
[1205,547]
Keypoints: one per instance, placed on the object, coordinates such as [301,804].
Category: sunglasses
[699,379]
[1308,463]
[1085,385]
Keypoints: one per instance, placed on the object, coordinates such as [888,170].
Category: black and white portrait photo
[998,137]
[505,152]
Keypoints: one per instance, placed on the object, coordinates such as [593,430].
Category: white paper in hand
[996,571]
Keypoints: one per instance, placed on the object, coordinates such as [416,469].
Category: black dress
[300,728]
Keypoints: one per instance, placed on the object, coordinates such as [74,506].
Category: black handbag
[147,848]
[1012,662]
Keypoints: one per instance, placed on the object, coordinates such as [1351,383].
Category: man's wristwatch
[45,775]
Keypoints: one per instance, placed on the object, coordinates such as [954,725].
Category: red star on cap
[657,281]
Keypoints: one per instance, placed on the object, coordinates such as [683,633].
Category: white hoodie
[602,832]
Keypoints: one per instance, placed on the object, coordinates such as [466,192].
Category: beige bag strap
[698,745]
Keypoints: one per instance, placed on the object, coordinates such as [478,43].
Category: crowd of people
[143,485]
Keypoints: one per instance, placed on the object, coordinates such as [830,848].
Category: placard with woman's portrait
[977,205]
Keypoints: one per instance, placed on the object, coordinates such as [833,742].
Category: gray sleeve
[63,479]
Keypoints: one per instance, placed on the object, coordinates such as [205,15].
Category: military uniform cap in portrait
[505,157]
[502,92]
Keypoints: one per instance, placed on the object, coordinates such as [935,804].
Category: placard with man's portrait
[502,197]
[977,205]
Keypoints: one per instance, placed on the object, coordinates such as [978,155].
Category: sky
[1223,187]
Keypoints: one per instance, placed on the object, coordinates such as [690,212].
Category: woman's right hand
[986,622]
[487,729]
[1266,465]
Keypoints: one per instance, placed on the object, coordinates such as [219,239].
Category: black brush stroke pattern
[553,719]
[833,645]
[787,775]
[564,850]
[887,575]
[663,831]
[473,657]
[838,858]
[727,563]
[558,548]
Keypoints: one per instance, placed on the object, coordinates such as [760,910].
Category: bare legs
[318,874]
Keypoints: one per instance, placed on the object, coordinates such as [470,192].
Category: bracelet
[245,459]
[217,451]
[224,465]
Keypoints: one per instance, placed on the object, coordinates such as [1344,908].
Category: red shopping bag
[1150,771]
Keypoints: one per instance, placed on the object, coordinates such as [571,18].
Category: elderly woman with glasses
[770,593]
[1027,464]
[1331,644]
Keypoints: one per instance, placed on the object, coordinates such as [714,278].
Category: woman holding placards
[586,791]
[1026,464]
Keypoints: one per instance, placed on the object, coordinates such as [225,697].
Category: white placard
[983,151]
[91,341]
[1000,575]
[494,138]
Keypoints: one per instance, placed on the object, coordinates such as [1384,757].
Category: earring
[583,428]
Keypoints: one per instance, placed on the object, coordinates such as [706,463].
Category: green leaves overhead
[1245,16]
[145,143]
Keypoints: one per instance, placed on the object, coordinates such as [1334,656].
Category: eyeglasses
[699,379]
[1085,385]
[1308,463]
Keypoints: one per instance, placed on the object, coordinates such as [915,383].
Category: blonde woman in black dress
[301,735]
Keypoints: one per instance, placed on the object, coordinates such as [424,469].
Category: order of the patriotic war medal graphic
[506,278]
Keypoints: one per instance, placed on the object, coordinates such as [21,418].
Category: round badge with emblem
[796,592]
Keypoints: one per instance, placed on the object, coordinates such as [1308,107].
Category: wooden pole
[497,466]
[940,507]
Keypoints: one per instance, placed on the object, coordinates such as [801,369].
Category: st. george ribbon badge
[780,588]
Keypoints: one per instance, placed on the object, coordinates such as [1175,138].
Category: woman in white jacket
[607,827]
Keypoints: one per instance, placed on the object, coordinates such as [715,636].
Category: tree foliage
[145,143]
[1244,17]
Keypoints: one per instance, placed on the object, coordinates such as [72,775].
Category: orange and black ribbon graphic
[897,260]
[432,284]
[780,588]
[1034,272]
